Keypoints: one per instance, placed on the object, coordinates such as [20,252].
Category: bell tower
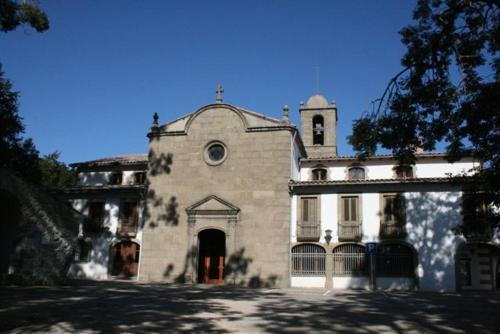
[318,119]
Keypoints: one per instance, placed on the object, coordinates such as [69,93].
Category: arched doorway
[125,256]
[211,258]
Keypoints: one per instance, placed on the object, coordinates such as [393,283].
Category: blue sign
[371,248]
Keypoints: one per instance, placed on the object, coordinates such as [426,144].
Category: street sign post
[371,250]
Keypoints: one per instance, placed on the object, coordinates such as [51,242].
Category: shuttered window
[350,209]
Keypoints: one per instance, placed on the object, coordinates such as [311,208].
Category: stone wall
[253,178]
[38,233]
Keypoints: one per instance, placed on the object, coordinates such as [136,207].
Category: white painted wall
[383,169]
[430,219]
[351,283]
[329,216]
[371,216]
[102,178]
[307,282]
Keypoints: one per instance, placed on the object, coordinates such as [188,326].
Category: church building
[226,195]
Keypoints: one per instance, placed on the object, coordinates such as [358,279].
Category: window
[95,221]
[319,174]
[349,218]
[393,216]
[128,218]
[139,177]
[116,178]
[308,260]
[308,227]
[318,130]
[215,153]
[350,260]
[395,260]
[83,250]
[465,271]
[350,209]
[356,173]
[403,172]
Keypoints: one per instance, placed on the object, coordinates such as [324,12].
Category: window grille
[395,260]
[350,260]
[308,260]
[356,173]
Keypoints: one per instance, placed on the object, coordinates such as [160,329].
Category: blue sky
[90,84]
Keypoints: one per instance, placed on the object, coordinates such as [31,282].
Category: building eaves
[130,159]
[422,180]
[103,188]
[374,157]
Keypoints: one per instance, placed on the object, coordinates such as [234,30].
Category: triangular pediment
[212,205]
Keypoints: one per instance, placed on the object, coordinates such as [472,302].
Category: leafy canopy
[14,13]
[448,91]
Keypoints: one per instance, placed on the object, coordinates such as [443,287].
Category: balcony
[308,232]
[350,231]
[128,227]
[392,230]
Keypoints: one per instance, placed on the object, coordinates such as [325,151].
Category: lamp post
[328,236]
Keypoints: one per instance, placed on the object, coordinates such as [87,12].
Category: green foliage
[448,91]
[55,175]
[14,13]
[16,153]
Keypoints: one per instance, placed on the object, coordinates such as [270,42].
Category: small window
[139,178]
[356,173]
[403,172]
[319,174]
[393,208]
[116,178]
[95,221]
[215,153]
[318,130]
[83,250]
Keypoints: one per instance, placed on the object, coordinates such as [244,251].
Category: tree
[448,91]
[55,175]
[15,13]
[16,153]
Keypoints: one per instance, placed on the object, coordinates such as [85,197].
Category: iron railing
[128,227]
[350,232]
[308,260]
[395,265]
[392,230]
[309,232]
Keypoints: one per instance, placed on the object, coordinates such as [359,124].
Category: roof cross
[218,92]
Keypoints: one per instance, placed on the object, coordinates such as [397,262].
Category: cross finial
[218,92]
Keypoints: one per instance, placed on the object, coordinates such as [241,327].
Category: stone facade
[253,179]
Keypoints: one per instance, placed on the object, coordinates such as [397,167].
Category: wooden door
[126,259]
[213,269]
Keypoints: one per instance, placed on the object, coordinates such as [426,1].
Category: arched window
[318,130]
[308,260]
[395,260]
[403,172]
[350,260]
[319,174]
[356,173]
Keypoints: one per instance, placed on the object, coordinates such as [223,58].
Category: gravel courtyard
[127,307]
